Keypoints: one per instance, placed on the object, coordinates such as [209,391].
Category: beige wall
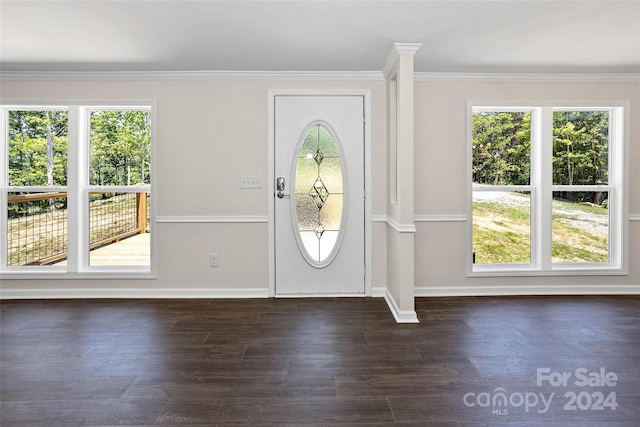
[441,174]
[209,132]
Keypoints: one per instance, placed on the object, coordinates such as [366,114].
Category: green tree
[581,152]
[37,154]
[501,145]
[120,147]
[38,148]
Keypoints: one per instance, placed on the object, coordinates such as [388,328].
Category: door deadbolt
[280,187]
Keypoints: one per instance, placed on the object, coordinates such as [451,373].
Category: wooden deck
[134,250]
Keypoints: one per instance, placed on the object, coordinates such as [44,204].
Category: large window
[77,187]
[547,192]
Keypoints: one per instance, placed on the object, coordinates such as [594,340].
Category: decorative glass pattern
[319,193]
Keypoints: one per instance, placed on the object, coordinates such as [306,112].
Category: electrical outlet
[247,181]
[213,260]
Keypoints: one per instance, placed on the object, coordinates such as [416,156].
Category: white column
[400,206]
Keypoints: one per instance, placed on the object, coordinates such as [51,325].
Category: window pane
[319,193]
[38,148]
[119,229]
[120,147]
[501,144]
[36,228]
[580,147]
[580,227]
[501,227]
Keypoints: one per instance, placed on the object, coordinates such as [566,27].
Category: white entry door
[319,195]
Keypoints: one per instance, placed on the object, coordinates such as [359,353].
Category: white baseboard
[86,293]
[329,295]
[378,292]
[401,316]
[447,291]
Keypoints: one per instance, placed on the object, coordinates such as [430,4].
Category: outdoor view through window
[49,192]
[526,195]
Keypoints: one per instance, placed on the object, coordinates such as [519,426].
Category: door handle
[280,187]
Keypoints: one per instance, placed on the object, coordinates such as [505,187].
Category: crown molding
[320,75]
[406,48]
[398,49]
[190,75]
[528,77]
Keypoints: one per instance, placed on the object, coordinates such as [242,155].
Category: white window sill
[556,270]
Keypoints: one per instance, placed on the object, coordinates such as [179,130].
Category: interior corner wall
[209,132]
[441,195]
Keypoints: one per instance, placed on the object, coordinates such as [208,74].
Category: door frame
[366,94]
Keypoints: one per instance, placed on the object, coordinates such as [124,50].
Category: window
[319,196]
[37,176]
[547,192]
[76,192]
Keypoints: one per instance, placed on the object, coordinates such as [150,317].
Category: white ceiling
[456,36]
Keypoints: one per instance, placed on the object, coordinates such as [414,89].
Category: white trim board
[401,228]
[315,75]
[398,49]
[190,75]
[462,290]
[378,292]
[440,218]
[528,77]
[401,316]
[85,293]
[196,219]
[202,219]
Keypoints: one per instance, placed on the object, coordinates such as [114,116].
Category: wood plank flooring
[290,362]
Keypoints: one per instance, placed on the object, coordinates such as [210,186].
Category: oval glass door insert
[319,192]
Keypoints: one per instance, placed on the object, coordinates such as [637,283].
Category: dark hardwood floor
[521,361]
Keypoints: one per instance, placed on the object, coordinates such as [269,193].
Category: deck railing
[37,224]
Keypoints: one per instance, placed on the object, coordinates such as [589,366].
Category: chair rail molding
[203,219]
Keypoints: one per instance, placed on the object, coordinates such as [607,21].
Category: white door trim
[366,94]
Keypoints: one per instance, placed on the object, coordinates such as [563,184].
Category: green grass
[569,253]
[501,232]
[571,244]
[596,210]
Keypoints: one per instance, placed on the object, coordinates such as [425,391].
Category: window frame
[77,190]
[541,189]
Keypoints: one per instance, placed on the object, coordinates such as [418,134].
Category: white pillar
[400,207]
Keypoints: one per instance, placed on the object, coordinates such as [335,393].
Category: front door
[319,195]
